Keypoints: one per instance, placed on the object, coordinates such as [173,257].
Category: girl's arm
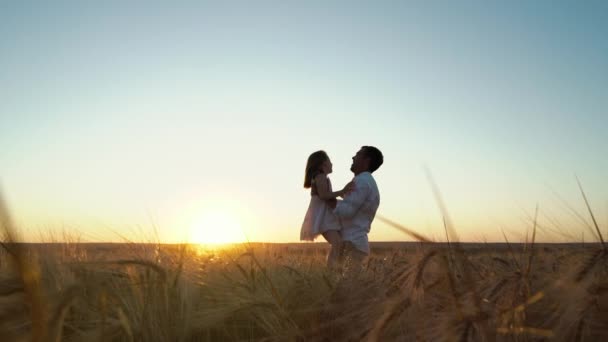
[323,188]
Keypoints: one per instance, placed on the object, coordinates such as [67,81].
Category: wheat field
[283,292]
[416,291]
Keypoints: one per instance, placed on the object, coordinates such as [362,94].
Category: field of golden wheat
[283,292]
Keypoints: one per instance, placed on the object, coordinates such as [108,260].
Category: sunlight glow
[217,226]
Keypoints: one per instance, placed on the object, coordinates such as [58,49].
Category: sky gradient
[121,116]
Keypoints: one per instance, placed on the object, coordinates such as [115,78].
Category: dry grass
[427,292]
[282,292]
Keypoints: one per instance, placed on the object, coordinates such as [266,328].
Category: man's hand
[332,203]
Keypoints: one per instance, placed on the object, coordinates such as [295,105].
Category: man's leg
[354,259]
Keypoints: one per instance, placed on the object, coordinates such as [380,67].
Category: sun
[217,226]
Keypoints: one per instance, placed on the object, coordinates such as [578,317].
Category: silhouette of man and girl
[343,223]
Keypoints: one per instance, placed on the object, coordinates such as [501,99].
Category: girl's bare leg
[335,240]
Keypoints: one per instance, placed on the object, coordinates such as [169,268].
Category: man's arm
[348,207]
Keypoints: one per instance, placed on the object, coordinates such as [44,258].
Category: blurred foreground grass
[427,291]
[149,292]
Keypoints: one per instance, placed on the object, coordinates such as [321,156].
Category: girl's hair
[313,166]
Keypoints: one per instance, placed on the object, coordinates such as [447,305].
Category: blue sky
[114,115]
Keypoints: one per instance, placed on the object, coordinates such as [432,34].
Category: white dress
[319,218]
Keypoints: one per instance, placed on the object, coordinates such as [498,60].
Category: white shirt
[357,211]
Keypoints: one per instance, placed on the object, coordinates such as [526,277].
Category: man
[358,209]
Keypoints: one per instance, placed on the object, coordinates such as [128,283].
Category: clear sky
[120,116]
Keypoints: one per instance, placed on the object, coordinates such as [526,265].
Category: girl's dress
[319,217]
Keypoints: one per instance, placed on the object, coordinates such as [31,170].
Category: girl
[320,219]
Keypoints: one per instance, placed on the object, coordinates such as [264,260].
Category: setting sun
[216,227]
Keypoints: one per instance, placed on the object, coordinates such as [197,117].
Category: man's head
[368,159]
